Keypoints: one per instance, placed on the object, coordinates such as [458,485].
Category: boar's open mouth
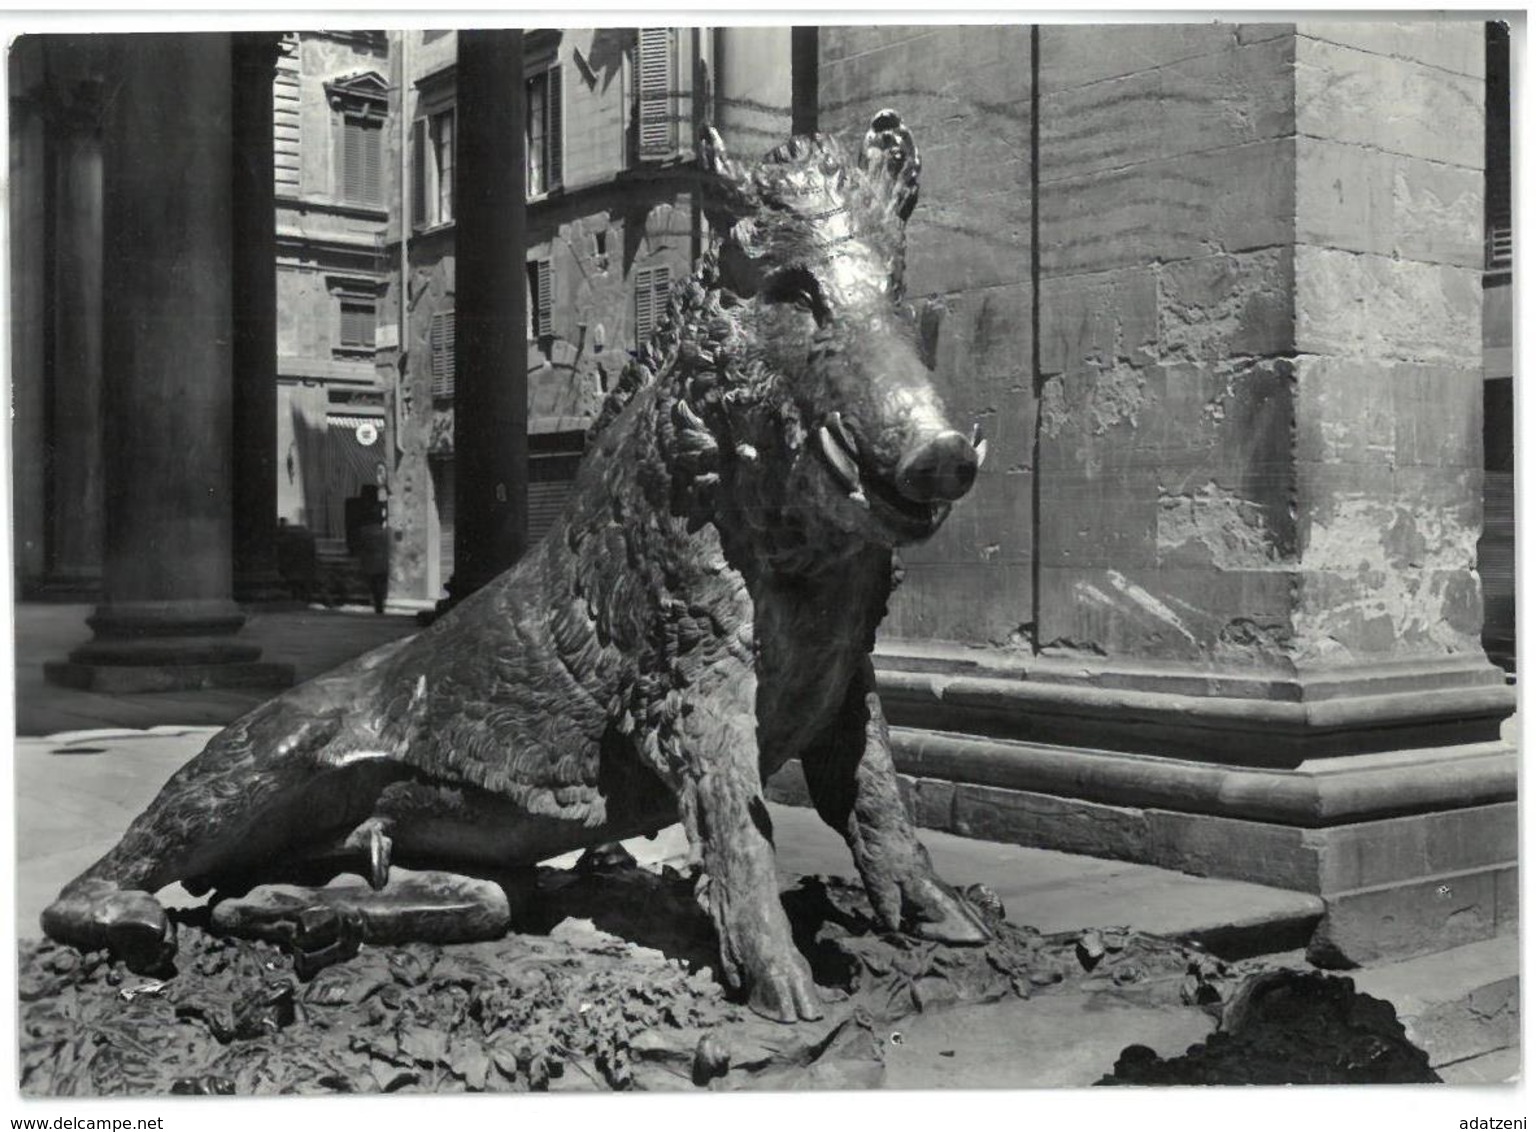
[840,452]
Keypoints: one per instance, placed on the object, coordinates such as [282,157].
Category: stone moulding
[1322,792]
[1276,723]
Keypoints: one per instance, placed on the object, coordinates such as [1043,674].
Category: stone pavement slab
[72,807]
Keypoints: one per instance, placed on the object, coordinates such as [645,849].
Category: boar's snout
[940,469]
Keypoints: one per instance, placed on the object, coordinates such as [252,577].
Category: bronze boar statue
[704,611]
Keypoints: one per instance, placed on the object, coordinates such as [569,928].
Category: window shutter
[661,291]
[545,311]
[373,162]
[653,285]
[653,79]
[554,133]
[441,345]
[644,307]
[357,324]
[419,171]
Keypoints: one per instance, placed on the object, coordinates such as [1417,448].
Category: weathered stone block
[1240,618]
[1393,104]
[1215,306]
[1453,43]
[1438,413]
[1069,825]
[1226,200]
[1091,322]
[838,43]
[1371,854]
[1400,921]
[1506,893]
[1205,845]
[1212,525]
[981,602]
[1381,308]
[935,800]
[1368,200]
[1089,418]
[1235,95]
[1344,412]
[1108,519]
[1074,55]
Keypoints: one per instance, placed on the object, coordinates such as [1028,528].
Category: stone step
[1459,1005]
[1053,891]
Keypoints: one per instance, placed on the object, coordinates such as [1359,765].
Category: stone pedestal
[256,577]
[490,423]
[167,618]
[1252,647]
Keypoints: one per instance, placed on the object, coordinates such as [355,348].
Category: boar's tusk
[838,460]
[981,453]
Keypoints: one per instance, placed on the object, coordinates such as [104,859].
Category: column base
[169,646]
[131,620]
[160,677]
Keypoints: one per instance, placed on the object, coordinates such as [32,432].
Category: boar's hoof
[130,924]
[939,914]
[785,993]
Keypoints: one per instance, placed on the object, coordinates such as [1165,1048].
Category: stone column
[74,297]
[28,199]
[490,426]
[167,619]
[256,578]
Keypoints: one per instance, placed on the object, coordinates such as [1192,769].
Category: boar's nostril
[941,469]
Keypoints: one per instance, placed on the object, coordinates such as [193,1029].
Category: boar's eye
[799,286]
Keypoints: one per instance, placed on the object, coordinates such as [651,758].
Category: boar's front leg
[722,808]
[852,781]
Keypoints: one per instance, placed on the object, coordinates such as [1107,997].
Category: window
[652,285]
[541,300]
[432,169]
[359,104]
[440,345]
[654,84]
[358,317]
[542,132]
[362,160]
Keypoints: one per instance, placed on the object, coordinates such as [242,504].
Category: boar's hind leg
[852,781]
[232,808]
[722,809]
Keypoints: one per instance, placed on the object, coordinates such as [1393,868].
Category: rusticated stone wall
[1167,198]
[965,93]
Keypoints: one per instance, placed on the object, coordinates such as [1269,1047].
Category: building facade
[612,221]
[331,102]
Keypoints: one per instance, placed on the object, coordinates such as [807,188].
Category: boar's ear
[890,163]
[727,188]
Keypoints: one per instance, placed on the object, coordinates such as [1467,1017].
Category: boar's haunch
[704,610]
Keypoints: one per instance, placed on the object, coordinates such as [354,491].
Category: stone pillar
[490,426]
[167,619]
[74,297]
[753,88]
[1253,643]
[256,578]
[28,201]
